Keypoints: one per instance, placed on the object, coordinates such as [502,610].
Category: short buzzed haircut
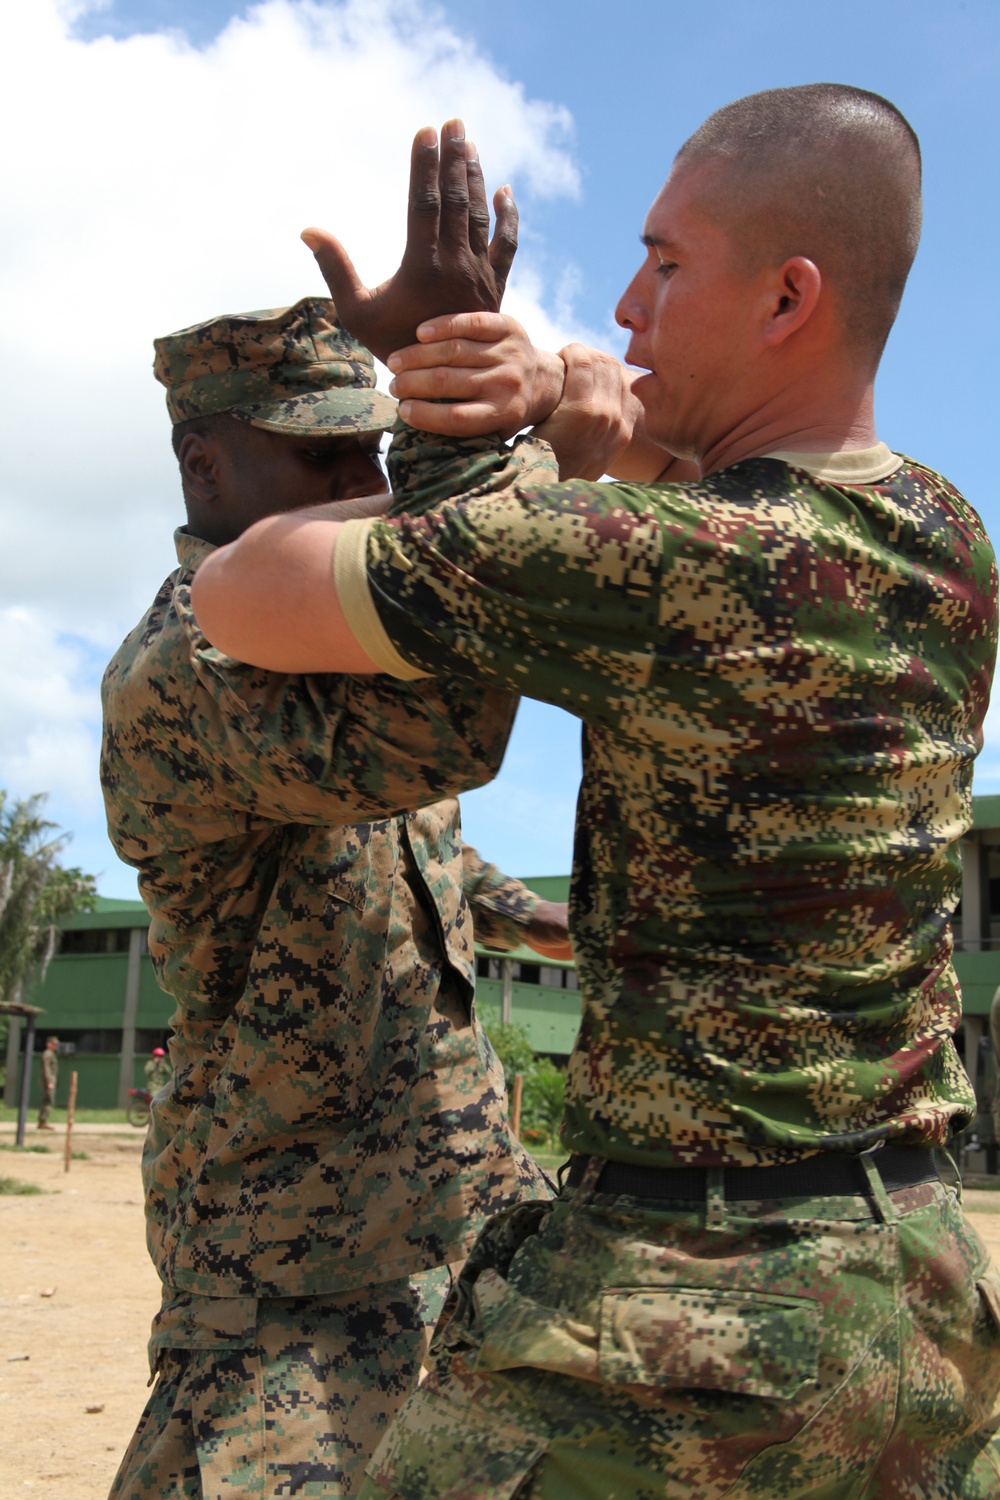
[221,424]
[829,172]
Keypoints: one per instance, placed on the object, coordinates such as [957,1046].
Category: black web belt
[827,1174]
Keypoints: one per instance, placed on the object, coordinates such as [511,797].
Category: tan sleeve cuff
[350,581]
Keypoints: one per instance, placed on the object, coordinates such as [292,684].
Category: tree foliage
[35,892]
[544,1095]
[544,1082]
[511,1045]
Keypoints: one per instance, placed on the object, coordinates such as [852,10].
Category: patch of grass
[35,1150]
[81,1116]
[549,1161]
[79,1155]
[10,1187]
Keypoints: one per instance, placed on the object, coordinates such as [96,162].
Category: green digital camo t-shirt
[782,673]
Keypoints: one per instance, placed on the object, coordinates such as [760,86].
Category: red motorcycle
[137,1108]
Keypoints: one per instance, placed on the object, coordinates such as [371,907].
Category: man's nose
[631,309]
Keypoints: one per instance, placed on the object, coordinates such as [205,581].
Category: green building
[101,999]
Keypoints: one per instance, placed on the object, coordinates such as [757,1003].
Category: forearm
[268,598]
[502,908]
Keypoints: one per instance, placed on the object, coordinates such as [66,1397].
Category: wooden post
[974,912]
[506,992]
[69,1117]
[515,1106]
[133,978]
[13,1058]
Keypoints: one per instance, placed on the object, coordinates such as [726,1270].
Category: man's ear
[795,295]
[199,460]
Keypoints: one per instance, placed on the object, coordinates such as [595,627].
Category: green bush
[544,1083]
[544,1093]
[516,1054]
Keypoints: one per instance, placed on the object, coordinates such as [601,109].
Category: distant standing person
[50,1077]
[157,1070]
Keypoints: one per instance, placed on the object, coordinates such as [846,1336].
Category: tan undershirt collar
[850,466]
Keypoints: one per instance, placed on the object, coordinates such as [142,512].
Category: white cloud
[48,734]
[150,184]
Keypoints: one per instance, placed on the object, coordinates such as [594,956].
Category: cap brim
[320,412]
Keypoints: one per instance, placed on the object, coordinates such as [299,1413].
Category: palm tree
[35,892]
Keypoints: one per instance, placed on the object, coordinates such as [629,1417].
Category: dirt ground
[76,1296]
[77,1292]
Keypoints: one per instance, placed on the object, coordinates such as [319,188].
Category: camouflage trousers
[294,1405]
[45,1104]
[607,1348]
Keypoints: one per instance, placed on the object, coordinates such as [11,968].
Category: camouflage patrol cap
[286,369]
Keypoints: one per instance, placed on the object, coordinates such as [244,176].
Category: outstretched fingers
[503,245]
[344,283]
[449,260]
[423,208]
[479,208]
[453,230]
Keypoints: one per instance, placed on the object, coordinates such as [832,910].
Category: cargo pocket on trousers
[746,1343]
[226,1393]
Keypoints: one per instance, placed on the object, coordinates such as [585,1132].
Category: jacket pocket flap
[744,1342]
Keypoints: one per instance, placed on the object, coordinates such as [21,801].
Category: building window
[93,1042]
[96,940]
[108,1040]
[528,973]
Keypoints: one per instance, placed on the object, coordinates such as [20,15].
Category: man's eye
[665,267]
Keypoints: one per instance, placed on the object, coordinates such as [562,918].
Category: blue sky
[581,105]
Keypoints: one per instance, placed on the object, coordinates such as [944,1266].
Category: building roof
[107,912]
[986,812]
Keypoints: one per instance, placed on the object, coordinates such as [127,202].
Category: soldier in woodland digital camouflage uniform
[336,1126]
[50,1077]
[754,1281]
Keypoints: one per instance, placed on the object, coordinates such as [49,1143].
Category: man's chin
[659,428]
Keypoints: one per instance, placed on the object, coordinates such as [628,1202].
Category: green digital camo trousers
[297,1410]
[603,1348]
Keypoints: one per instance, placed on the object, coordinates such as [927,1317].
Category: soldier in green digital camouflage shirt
[336,1126]
[754,1282]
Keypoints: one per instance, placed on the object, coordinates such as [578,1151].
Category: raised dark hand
[450,263]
